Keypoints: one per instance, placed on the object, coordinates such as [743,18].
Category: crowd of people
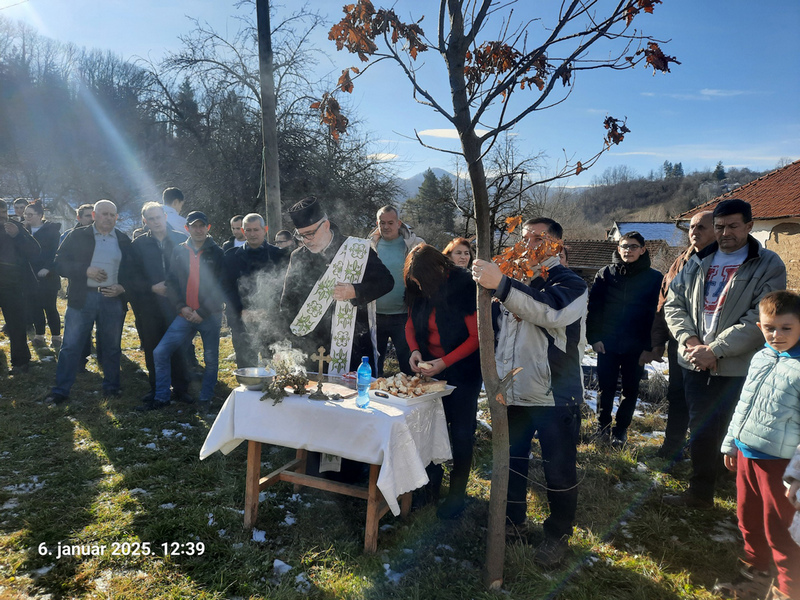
[737,397]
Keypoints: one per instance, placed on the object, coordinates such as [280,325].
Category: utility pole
[269,127]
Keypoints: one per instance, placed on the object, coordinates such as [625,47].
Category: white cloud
[705,95]
[383,156]
[450,134]
[723,93]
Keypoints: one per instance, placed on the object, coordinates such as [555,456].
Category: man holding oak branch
[539,327]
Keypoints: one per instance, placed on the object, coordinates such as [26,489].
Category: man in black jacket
[237,239]
[96,261]
[622,304]
[151,254]
[17,249]
[195,288]
[321,241]
[255,281]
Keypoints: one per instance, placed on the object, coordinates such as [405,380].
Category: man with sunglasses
[622,305]
[320,240]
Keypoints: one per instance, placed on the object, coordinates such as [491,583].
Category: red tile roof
[776,195]
[596,254]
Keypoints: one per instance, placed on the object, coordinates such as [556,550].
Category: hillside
[615,198]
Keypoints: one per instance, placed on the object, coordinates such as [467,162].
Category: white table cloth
[403,440]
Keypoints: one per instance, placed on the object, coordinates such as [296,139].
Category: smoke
[283,352]
[261,294]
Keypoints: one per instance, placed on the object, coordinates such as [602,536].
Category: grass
[96,473]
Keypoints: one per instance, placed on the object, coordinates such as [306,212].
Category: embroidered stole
[348,266]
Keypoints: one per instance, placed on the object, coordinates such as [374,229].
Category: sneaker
[750,583]
[20,369]
[687,500]
[451,508]
[148,397]
[618,440]
[551,552]
[55,398]
[422,497]
[516,530]
[38,341]
[154,405]
[55,342]
[602,436]
[182,397]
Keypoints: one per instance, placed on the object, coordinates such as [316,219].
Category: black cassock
[305,269]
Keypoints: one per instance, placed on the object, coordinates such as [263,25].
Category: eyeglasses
[629,246]
[304,237]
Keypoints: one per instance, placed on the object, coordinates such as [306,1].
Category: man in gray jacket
[711,310]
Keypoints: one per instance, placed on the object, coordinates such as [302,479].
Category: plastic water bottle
[364,379]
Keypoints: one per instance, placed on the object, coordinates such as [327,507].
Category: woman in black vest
[43,305]
[442,333]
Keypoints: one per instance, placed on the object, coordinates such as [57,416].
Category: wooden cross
[321,359]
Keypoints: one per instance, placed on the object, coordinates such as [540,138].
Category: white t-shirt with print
[722,269]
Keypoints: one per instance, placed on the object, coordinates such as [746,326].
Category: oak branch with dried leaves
[495,82]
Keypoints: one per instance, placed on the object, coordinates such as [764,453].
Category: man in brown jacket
[701,234]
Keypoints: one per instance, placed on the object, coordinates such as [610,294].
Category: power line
[15,4]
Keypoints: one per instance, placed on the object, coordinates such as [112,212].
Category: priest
[330,281]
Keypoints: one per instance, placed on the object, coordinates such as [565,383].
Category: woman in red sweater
[442,331]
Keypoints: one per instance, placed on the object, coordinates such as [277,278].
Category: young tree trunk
[496,540]
[457,47]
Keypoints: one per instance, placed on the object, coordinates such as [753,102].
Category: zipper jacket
[737,336]
[767,416]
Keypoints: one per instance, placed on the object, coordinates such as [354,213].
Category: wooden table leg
[251,489]
[373,506]
[300,455]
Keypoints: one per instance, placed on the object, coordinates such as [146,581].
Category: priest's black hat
[307,212]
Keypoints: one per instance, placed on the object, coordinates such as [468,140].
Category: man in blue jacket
[195,287]
[539,327]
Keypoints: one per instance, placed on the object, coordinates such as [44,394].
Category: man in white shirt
[172,199]
[96,261]
[711,310]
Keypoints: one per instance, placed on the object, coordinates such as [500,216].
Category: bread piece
[433,386]
[424,365]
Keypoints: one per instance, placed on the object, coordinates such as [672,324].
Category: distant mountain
[409,187]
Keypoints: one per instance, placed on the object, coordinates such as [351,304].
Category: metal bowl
[253,377]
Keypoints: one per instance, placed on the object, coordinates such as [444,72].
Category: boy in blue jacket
[762,437]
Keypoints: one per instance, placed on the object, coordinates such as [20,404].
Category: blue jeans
[109,314]
[179,334]
[558,428]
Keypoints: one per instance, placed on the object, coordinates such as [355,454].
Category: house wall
[783,237]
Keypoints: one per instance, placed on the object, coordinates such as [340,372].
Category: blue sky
[734,98]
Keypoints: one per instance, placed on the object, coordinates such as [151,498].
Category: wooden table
[294,472]
[397,442]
